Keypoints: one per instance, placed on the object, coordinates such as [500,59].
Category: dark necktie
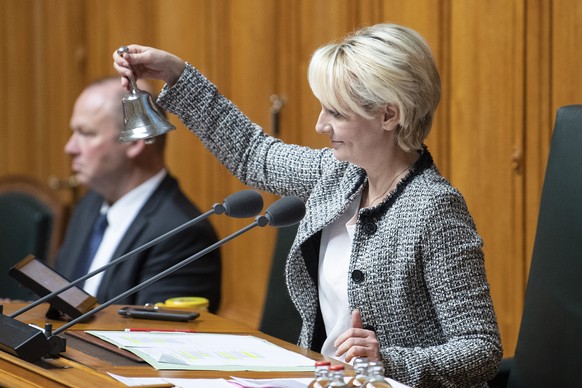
[95,238]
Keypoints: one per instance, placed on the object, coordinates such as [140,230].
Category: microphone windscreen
[243,204]
[285,212]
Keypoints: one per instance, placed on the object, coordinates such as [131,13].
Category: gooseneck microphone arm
[30,344]
[242,204]
[154,278]
[284,212]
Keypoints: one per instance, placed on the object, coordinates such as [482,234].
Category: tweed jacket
[416,268]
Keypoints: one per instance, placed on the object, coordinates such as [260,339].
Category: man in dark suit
[131,190]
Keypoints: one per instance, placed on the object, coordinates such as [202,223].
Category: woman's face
[357,139]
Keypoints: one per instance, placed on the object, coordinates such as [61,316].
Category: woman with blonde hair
[387,263]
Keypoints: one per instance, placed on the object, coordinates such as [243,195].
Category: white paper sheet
[200,351]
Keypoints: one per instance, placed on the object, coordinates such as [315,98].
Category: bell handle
[122,50]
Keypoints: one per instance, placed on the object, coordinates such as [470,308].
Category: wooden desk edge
[78,368]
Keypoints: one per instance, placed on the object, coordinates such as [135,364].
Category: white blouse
[334,262]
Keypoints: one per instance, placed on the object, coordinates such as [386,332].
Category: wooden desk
[79,367]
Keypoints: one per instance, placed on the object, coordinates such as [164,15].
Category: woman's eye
[334,113]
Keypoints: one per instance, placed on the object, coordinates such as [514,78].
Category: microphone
[286,211]
[30,344]
[35,344]
[242,204]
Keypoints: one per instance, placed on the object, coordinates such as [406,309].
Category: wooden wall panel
[193,31]
[61,70]
[291,81]
[486,129]
[8,130]
[110,24]
[4,60]
[39,70]
[566,53]
[22,60]
[539,115]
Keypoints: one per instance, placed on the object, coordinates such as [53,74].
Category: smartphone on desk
[158,314]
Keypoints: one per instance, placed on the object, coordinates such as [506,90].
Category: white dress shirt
[119,217]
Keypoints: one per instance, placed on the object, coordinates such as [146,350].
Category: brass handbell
[142,119]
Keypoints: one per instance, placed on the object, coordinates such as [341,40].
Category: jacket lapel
[83,224]
[131,239]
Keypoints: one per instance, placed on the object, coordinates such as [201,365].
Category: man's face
[98,159]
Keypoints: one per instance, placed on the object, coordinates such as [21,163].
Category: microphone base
[26,342]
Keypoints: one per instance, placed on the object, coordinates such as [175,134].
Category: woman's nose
[322,126]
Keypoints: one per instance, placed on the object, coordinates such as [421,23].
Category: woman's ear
[391,116]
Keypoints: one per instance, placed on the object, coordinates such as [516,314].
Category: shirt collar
[133,200]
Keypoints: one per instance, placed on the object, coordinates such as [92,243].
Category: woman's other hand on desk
[357,341]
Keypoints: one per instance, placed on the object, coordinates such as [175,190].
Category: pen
[146,329]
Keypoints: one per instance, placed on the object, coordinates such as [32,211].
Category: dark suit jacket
[166,209]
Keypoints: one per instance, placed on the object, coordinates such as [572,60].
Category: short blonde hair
[377,65]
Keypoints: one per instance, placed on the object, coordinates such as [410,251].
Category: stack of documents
[201,351]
